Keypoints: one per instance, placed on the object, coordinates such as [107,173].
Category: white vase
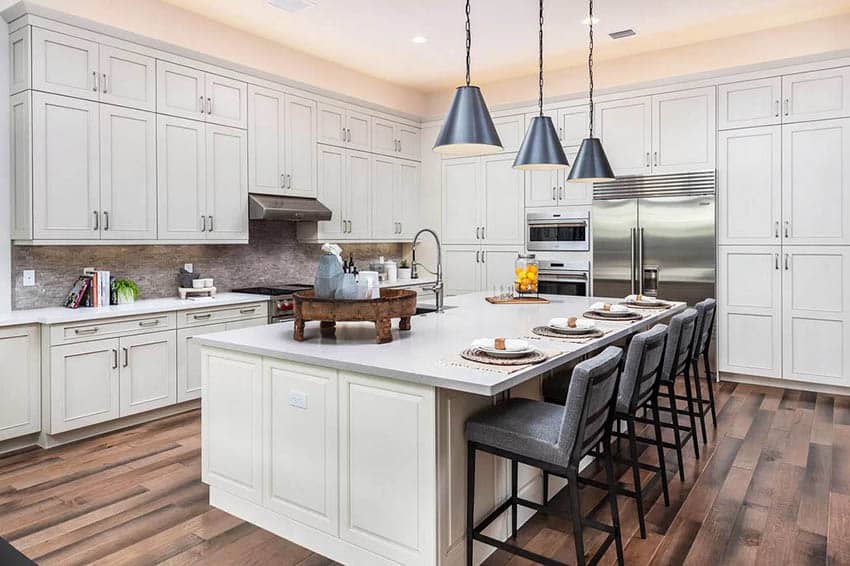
[125,297]
[404,273]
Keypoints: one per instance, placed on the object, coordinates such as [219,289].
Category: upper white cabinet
[551,188]
[463,195]
[749,103]
[20,67]
[625,128]
[395,139]
[395,189]
[191,93]
[63,64]
[281,143]
[573,124]
[20,404]
[344,126]
[227,183]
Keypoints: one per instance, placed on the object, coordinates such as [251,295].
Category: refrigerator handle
[632,256]
[640,262]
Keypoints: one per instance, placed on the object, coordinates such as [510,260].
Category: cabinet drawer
[198,317]
[93,329]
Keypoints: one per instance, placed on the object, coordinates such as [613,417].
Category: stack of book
[92,289]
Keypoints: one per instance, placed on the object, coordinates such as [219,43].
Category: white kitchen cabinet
[625,128]
[189,360]
[511,130]
[301,448]
[357,198]
[816,182]
[66,168]
[148,376]
[20,165]
[227,101]
[542,187]
[749,103]
[503,214]
[749,186]
[186,92]
[344,126]
[181,179]
[574,194]
[395,190]
[573,124]
[127,174]
[816,314]
[127,78]
[409,141]
[749,317]
[816,95]
[406,198]
[63,64]
[84,384]
[683,131]
[331,186]
[20,381]
[395,139]
[400,528]
[497,266]
[227,183]
[463,197]
[20,57]
[469,269]
[300,146]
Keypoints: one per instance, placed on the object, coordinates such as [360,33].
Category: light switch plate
[298,399]
[29,277]
[189,267]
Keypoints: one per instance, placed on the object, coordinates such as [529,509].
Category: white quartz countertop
[420,355]
[61,315]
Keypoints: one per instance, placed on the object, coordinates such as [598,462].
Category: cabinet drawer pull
[655,159]
[85,331]
[114,359]
[477,256]
[483,233]
[147,323]
[248,311]
[282,181]
[776,229]
[787,106]
[104,82]
[561,193]
[126,357]
[776,261]
[211,223]
[203,223]
[105,220]
[209,106]
[554,193]
[96,221]
[201,99]
[94,81]
[787,228]
[202,316]
[288,181]
[647,159]
[483,256]
[787,262]
[777,108]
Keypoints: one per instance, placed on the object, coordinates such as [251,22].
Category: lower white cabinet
[20,381]
[477,268]
[148,372]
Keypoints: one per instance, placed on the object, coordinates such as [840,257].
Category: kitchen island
[357,450]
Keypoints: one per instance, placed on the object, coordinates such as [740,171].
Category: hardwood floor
[772,487]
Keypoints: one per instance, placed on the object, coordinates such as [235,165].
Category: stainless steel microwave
[557,230]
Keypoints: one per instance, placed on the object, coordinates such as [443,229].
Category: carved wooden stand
[394,303]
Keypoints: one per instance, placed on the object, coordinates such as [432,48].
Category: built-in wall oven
[557,230]
[563,278]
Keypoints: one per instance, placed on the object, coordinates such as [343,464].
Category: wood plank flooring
[772,487]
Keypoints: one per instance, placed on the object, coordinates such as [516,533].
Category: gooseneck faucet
[438,285]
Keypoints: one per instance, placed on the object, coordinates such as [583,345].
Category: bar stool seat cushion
[522,426]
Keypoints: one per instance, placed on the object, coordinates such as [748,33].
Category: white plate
[612,314]
[515,348]
[572,331]
[583,326]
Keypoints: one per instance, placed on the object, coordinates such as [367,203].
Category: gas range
[282,307]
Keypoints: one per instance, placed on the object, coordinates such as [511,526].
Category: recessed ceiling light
[586,21]
[419,39]
[293,5]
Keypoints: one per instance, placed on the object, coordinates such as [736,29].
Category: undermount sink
[429,309]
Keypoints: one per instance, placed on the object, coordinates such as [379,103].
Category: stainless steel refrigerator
[655,235]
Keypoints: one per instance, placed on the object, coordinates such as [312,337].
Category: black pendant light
[541,148]
[591,164]
[468,129]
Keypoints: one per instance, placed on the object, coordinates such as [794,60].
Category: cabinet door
[84,384]
[409,141]
[625,127]
[63,64]
[384,222]
[181,179]
[573,193]
[227,183]
[189,360]
[749,323]
[573,124]
[511,130]
[749,186]
[301,452]
[359,130]
[384,138]
[127,78]
[816,314]
[463,200]
[226,101]
[20,68]
[816,182]
[504,209]
[541,187]
[462,267]
[232,422]
[497,264]
[301,146]
[180,91]
[127,173]
[357,197]
[20,404]
[266,141]
[406,198]
[148,372]
[331,124]
[331,183]
[683,131]
[749,103]
[817,95]
[66,170]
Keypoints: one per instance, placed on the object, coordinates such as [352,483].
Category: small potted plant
[126,291]
[404,269]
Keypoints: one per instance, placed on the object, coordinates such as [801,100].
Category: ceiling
[374,36]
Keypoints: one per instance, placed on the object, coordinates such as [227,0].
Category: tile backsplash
[272,257]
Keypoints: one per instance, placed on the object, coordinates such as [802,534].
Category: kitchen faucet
[438,285]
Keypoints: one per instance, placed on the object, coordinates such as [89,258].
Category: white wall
[5,197]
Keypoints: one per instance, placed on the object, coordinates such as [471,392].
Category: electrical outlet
[298,399]
[29,277]
[189,267]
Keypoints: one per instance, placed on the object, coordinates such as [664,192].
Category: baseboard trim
[782,383]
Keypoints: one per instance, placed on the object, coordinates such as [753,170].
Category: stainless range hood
[271,207]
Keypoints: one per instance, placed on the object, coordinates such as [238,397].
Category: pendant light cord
[540,100]
[590,65]
[468,42]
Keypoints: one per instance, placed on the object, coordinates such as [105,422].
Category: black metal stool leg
[514,474]
[612,499]
[470,501]
[710,381]
[656,416]
[575,512]
[691,413]
[677,435]
[633,454]
[545,488]
[700,404]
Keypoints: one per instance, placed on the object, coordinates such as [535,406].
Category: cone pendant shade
[468,129]
[591,163]
[541,149]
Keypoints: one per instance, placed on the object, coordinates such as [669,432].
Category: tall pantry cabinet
[784,227]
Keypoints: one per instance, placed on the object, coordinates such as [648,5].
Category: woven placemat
[476,355]
[549,333]
[648,306]
[631,318]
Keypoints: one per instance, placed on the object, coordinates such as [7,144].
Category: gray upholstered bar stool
[639,385]
[553,438]
[706,311]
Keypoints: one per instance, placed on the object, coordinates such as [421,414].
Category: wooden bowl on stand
[394,303]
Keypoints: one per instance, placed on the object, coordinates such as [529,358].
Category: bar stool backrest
[706,311]
[642,369]
[680,336]
[591,403]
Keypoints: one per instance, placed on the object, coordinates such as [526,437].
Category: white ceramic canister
[372,282]
[391,269]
